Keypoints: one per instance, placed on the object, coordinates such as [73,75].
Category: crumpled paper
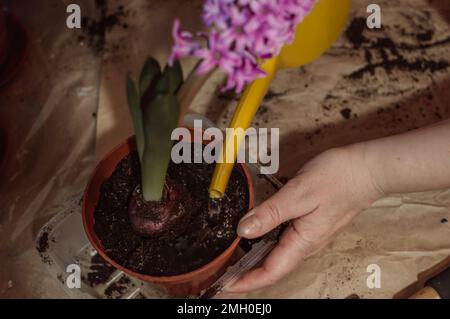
[50,107]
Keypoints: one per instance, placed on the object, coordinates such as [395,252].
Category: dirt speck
[346,113]
[117,289]
[96,28]
[43,243]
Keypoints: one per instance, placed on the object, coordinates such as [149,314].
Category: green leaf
[150,72]
[175,76]
[160,118]
[136,114]
[162,84]
[171,79]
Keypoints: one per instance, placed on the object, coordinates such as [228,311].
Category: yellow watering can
[313,37]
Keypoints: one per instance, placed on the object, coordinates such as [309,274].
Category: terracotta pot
[183,285]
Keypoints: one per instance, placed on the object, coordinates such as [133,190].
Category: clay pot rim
[159,279]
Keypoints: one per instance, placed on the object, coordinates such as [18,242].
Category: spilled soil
[391,53]
[99,271]
[95,28]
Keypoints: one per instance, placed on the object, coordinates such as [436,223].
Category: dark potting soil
[43,245]
[205,234]
[96,28]
[392,53]
[346,113]
[117,289]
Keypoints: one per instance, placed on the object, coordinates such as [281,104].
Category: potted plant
[153,218]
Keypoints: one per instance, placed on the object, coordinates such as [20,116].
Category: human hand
[321,199]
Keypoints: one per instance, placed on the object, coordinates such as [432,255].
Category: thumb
[285,205]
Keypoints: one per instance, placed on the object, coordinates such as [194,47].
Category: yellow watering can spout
[313,37]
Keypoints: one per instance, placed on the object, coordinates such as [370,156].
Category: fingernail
[248,225]
[250,213]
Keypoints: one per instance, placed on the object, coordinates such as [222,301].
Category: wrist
[367,169]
